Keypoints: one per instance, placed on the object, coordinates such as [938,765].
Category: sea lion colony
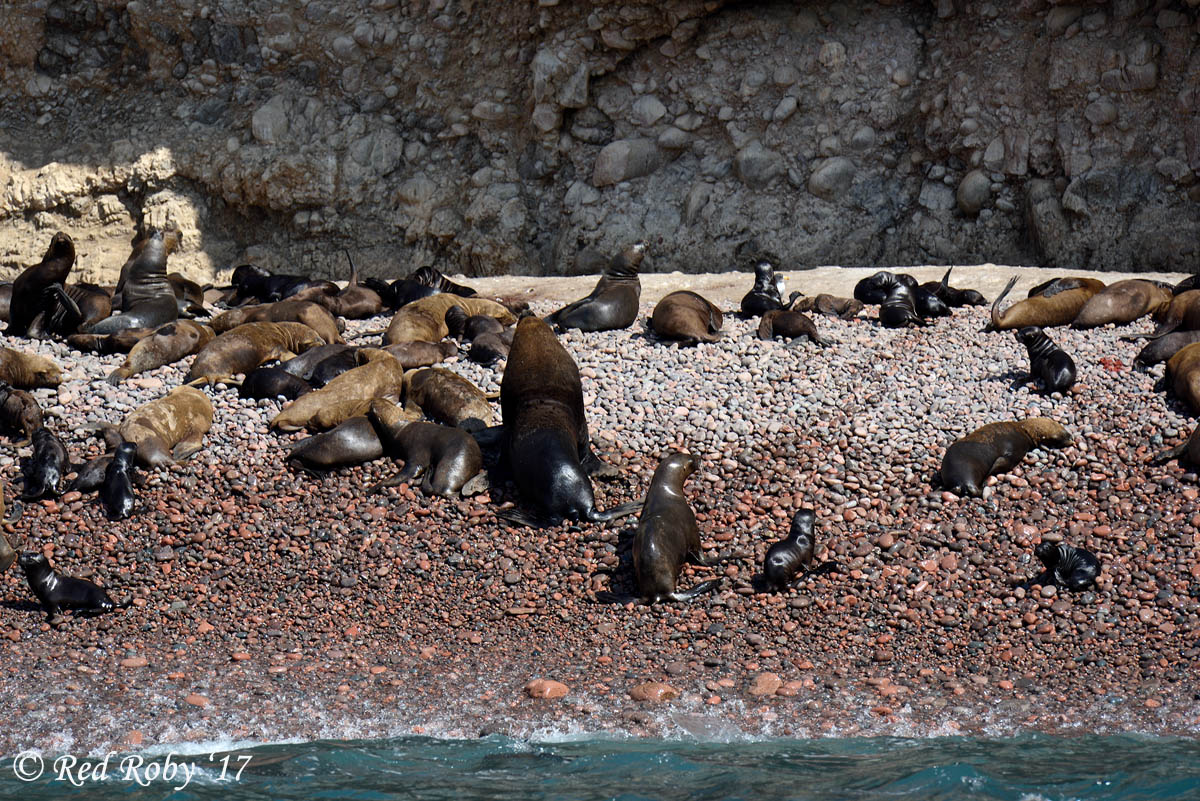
[547,411]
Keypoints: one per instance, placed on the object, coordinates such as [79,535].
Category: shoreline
[330,614]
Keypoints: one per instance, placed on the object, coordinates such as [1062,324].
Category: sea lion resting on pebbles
[352,441]
[446,459]
[613,303]
[421,354]
[1122,302]
[311,314]
[19,411]
[792,325]
[28,370]
[348,395]
[45,469]
[56,592]
[251,282]
[952,297]
[31,290]
[165,430]
[272,382]
[1072,568]
[830,306]
[167,344]
[1163,348]
[687,318]
[667,535]
[996,448]
[117,342]
[899,308]
[248,346]
[1183,375]
[767,292]
[1060,304]
[1048,363]
[355,302]
[448,398]
[424,320]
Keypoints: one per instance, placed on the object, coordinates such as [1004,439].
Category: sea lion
[424,320]
[792,554]
[355,302]
[792,325]
[443,458]
[272,382]
[352,441]
[1048,363]
[402,292]
[116,491]
[247,346]
[303,364]
[899,309]
[118,342]
[28,370]
[667,535]
[189,296]
[687,318]
[1045,310]
[166,430]
[334,365]
[996,448]
[83,306]
[1188,451]
[167,344]
[30,289]
[144,296]
[429,277]
[19,411]
[830,306]
[767,292]
[545,435]
[462,326]
[348,395]
[1183,375]
[1121,303]
[421,354]
[5,300]
[311,314]
[44,470]
[1048,289]
[251,282]
[1074,569]
[487,349]
[90,475]
[874,289]
[1181,314]
[1187,284]
[56,592]
[954,298]
[448,398]
[613,303]
[1163,348]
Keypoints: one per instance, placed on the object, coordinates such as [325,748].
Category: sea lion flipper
[1168,455]
[18,509]
[616,512]
[476,485]
[699,589]
[187,448]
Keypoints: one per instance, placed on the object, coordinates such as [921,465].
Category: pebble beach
[269,605]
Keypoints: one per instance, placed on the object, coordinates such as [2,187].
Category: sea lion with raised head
[667,535]
[1074,569]
[167,344]
[19,411]
[31,290]
[430,277]
[311,314]
[687,318]
[354,302]
[144,297]
[1046,310]
[352,441]
[348,395]
[443,458]
[613,303]
[792,325]
[1122,302]
[952,297]
[45,469]
[793,554]
[28,370]
[767,292]
[996,448]
[1048,363]
[247,346]
[116,491]
[167,429]
[56,592]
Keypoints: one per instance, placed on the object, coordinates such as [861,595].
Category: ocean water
[1029,768]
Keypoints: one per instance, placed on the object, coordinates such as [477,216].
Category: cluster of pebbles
[269,605]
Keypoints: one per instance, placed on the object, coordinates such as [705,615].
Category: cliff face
[526,137]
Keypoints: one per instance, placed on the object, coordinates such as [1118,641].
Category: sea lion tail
[945,283]
[698,590]
[353,271]
[624,510]
[117,376]
[995,324]
[521,518]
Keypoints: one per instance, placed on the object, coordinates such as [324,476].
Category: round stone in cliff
[974,191]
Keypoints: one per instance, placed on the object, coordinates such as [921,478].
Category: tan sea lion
[348,395]
[424,320]
[443,458]
[686,317]
[830,306]
[1044,311]
[311,314]
[447,398]
[996,448]
[28,370]
[421,354]
[1183,375]
[166,345]
[167,429]
[789,324]
[1181,314]
[248,346]
[1121,303]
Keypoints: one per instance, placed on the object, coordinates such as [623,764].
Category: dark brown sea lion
[1183,375]
[119,342]
[1188,451]
[189,296]
[1074,569]
[331,367]
[667,535]
[167,344]
[487,349]
[28,370]
[462,326]
[144,296]
[874,289]
[545,435]
[430,277]
[30,289]
[19,411]
[448,398]
[830,306]
[272,382]
[791,325]
[767,292]
[421,354]
[311,314]
[952,297]
[793,554]
[1048,363]
[92,302]
[1181,314]
[248,346]
[443,458]
[304,364]
[353,441]
[251,282]
[348,395]
[1121,303]
[167,429]
[996,448]
[45,469]
[613,304]
[116,491]
[1046,310]
[687,318]
[424,320]
[5,301]
[355,302]
[899,308]
[56,592]
[1163,348]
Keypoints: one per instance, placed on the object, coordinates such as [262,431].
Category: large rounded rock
[974,191]
[757,166]
[832,178]
[626,159]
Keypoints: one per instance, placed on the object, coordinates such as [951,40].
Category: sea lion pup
[1183,375]
[830,306]
[1048,363]
[250,282]
[687,318]
[19,411]
[954,298]
[272,382]
[792,554]
[792,325]
[1187,451]
[996,448]
[348,395]
[44,470]
[166,430]
[28,370]
[314,315]
[167,344]
[430,277]
[460,325]
[667,535]
[1074,569]
[116,491]
[1059,307]
[421,354]
[767,292]
[545,440]
[355,302]
[30,290]
[144,297]
[424,320]
[448,398]
[487,349]
[60,319]
[1121,303]
[303,365]
[189,296]
[352,441]
[1164,347]
[56,592]
[248,346]
[874,289]
[444,458]
[899,309]
[119,342]
[613,304]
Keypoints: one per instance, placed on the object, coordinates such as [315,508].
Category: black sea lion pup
[430,277]
[56,592]
[1048,363]
[767,292]
[687,318]
[874,289]
[116,493]
[613,303]
[899,309]
[46,467]
[792,554]
[1074,569]
[996,448]
[272,382]
[954,298]
[667,535]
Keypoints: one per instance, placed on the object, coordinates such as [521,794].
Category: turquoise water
[1021,769]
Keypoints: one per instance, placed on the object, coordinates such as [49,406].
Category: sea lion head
[125,454]
[1048,554]
[802,524]
[1046,433]
[675,468]
[61,246]
[626,263]
[33,562]
[1029,334]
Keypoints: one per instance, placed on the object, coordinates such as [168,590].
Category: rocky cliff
[528,137]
